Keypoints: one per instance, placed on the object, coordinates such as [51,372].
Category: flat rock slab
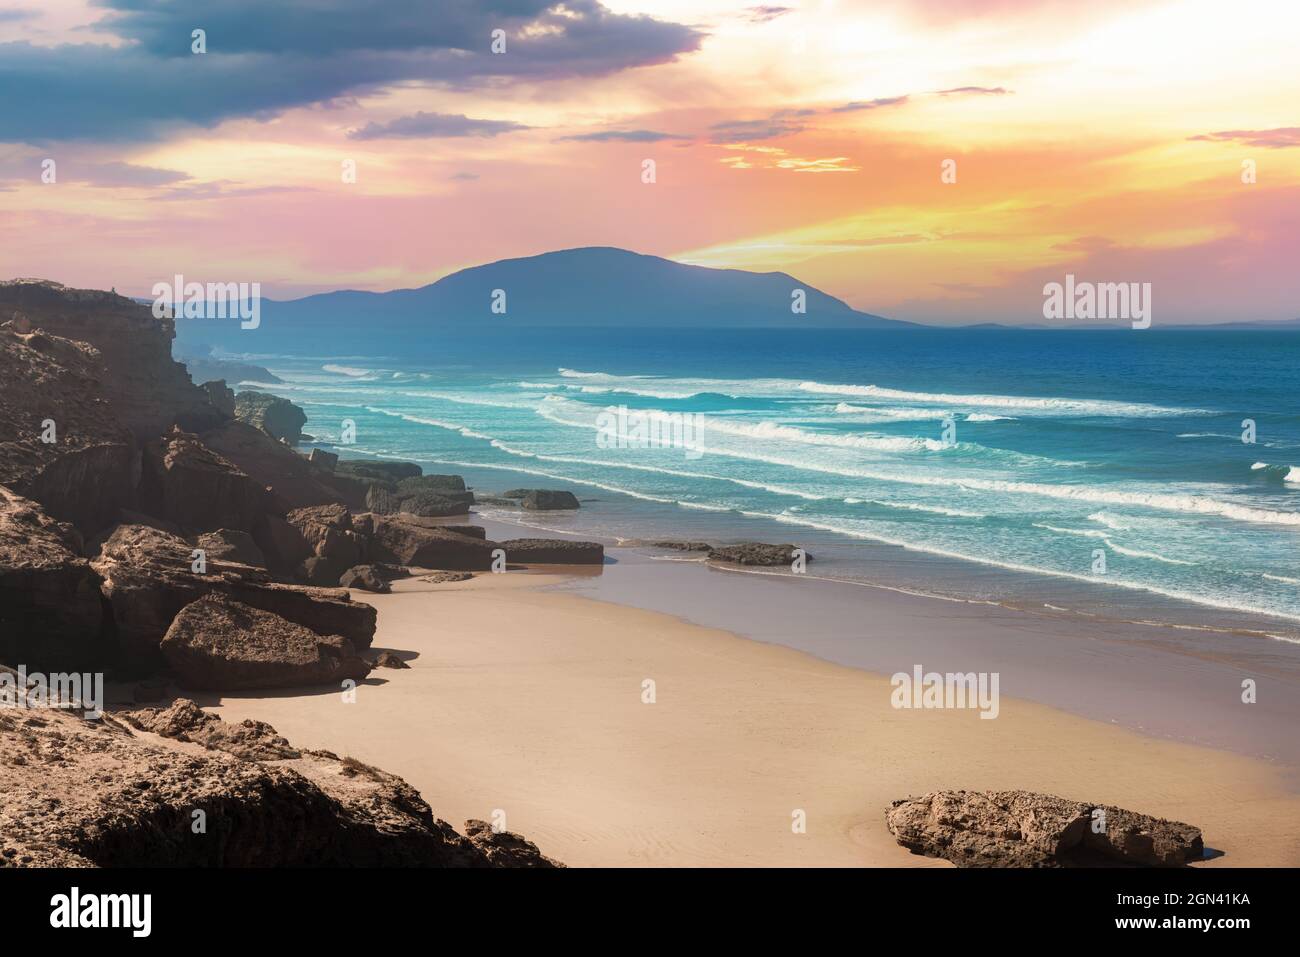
[1026,829]
[219,644]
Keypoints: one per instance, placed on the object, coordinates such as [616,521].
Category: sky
[936,161]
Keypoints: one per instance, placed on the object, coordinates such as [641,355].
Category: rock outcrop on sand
[1024,829]
[365,577]
[279,418]
[109,452]
[402,540]
[335,545]
[50,612]
[98,794]
[553,551]
[148,577]
[218,644]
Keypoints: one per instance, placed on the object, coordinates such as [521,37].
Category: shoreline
[948,575]
[525,697]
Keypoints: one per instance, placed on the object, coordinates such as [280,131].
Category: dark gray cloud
[22,165]
[117,174]
[264,58]
[1275,139]
[780,123]
[974,91]
[434,126]
[765,13]
[870,104]
[624,136]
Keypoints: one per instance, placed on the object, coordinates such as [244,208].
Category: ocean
[1141,475]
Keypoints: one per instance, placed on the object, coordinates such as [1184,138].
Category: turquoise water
[988,465]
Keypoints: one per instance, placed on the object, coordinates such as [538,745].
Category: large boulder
[279,418]
[323,459]
[124,800]
[188,483]
[402,540]
[542,499]
[335,546]
[148,578]
[435,505]
[365,578]
[378,470]
[1025,829]
[448,485]
[755,553]
[282,544]
[232,545]
[51,616]
[552,551]
[218,644]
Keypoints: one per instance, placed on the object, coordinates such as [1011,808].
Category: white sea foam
[460,399]
[1059,406]
[1137,553]
[1081,532]
[436,423]
[1110,521]
[350,371]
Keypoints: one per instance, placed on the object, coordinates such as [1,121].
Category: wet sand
[526,698]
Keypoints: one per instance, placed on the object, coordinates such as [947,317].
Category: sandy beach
[526,699]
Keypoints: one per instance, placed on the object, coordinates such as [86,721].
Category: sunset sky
[1103,138]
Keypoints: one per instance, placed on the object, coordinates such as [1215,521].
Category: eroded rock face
[148,578]
[188,483]
[279,418]
[553,551]
[124,800]
[295,482]
[149,390]
[755,553]
[220,395]
[218,644]
[183,720]
[50,610]
[1025,829]
[53,388]
[504,849]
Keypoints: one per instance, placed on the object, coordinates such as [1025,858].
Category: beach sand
[528,700]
